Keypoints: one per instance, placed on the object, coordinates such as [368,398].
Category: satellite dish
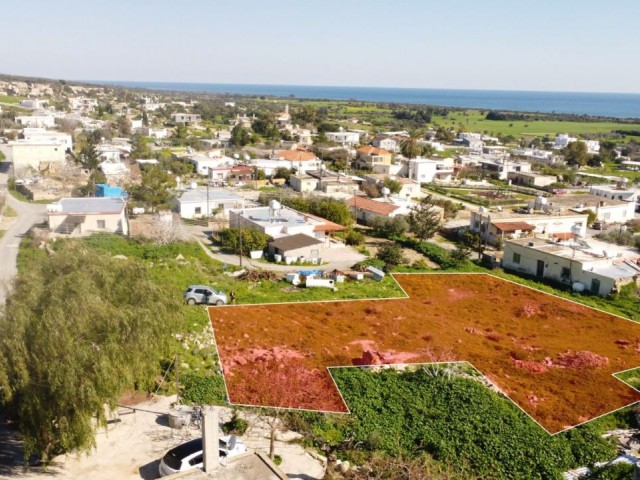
[247,158]
[385,191]
[236,156]
[232,443]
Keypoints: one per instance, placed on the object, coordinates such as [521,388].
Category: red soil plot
[552,357]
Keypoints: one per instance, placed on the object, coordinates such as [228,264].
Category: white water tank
[541,202]
[578,287]
[193,186]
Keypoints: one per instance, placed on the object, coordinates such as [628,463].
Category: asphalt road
[28,215]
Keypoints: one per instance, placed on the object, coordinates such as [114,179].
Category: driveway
[28,214]
[335,257]
[137,438]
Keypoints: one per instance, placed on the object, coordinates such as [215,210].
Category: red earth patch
[547,354]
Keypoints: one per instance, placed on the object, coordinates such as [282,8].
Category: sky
[542,45]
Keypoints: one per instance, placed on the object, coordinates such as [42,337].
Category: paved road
[28,215]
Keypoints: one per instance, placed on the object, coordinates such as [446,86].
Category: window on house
[607,215]
[566,272]
[516,258]
[198,210]
[595,285]
[101,224]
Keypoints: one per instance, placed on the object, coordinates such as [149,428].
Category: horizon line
[371,87]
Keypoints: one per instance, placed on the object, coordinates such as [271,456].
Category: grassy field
[474,120]
[11,99]
[471,120]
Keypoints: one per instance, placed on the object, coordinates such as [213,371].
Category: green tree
[391,254]
[145,119]
[154,190]
[410,148]
[240,136]
[335,211]
[424,219]
[139,147]
[89,159]
[390,227]
[78,330]
[252,239]
[180,135]
[258,174]
[282,172]
[394,186]
[306,115]
[576,154]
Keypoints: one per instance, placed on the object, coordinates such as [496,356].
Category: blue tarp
[308,273]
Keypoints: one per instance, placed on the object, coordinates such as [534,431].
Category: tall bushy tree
[154,191]
[576,154]
[78,330]
[424,219]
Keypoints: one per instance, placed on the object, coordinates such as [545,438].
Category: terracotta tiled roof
[296,155]
[327,226]
[513,226]
[564,235]
[379,208]
[373,151]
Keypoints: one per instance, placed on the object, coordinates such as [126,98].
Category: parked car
[599,225]
[204,294]
[189,455]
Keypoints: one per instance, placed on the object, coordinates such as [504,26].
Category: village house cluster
[378,174]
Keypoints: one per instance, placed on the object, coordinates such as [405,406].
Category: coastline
[622,106]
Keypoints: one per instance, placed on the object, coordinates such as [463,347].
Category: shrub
[203,389]
[235,426]
[354,238]
[391,254]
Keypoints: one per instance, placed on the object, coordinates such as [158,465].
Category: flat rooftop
[200,195]
[86,206]
[592,251]
[264,216]
[583,201]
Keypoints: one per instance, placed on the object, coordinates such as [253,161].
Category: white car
[189,455]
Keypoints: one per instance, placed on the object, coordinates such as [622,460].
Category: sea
[617,105]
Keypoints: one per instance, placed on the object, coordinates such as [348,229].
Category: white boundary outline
[393,276]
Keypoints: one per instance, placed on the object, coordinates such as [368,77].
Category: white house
[84,216]
[278,222]
[203,163]
[186,118]
[153,132]
[427,170]
[40,134]
[596,270]
[34,103]
[33,154]
[386,143]
[631,195]
[82,104]
[344,138]
[195,203]
[563,140]
[606,210]
[496,227]
[530,179]
[36,120]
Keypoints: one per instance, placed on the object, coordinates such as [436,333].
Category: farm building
[298,246]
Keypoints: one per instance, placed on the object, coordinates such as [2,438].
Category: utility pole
[240,237]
